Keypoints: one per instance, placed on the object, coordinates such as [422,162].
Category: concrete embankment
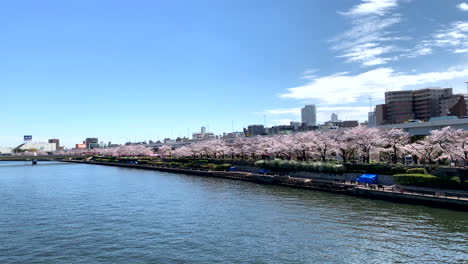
[456,203]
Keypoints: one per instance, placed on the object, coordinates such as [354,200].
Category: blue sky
[139,70]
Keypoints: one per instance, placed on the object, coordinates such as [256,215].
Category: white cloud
[309,73]
[453,37]
[363,43]
[463,6]
[461,50]
[368,54]
[367,7]
[344,88]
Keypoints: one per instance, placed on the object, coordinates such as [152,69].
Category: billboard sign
[80,146]
[27,138]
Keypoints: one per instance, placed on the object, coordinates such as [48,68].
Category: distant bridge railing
[46,157]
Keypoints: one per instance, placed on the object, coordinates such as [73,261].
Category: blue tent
[367,178]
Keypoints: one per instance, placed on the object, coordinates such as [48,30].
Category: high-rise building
[422,104]
[309,115]
[334,117]
[426,102]
[371,120]
[399,106]
[255,130]
[92,143]
[56,141]
[380,114]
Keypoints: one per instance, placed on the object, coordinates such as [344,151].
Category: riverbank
[435,198]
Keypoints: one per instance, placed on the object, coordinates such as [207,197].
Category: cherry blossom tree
[164,151]
[342,144]
[394,140]
[321,144]
[453,143]
[427,150]
[364,138]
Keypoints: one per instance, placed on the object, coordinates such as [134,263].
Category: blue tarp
[367,178]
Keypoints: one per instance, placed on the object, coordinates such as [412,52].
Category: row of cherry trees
[348,144]
[122,151]
[356,143]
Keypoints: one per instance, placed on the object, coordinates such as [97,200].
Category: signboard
[80,146]
[27,138]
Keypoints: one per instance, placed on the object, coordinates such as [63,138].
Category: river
[79,213]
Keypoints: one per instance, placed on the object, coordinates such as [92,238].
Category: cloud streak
[345,88]
[463,7]
[367,40]
[453,37]
[372,7]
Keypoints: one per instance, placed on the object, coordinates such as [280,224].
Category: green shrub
[415,179]
[416,171]
[210,166]
[427,180]
[224,166]
[455,179]
[174,164]
[291,165]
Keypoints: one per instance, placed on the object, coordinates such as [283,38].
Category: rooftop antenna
[466,87]
[264,120]
[370,103]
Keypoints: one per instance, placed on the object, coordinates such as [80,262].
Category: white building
[334,117]
[309,115]
[40,146]
[296,125]
[203,135]
[5,150]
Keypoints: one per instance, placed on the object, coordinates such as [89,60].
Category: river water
[77,213]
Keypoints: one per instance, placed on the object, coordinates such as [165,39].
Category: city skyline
[143,70]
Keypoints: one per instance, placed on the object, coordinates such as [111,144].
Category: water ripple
[91,214]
